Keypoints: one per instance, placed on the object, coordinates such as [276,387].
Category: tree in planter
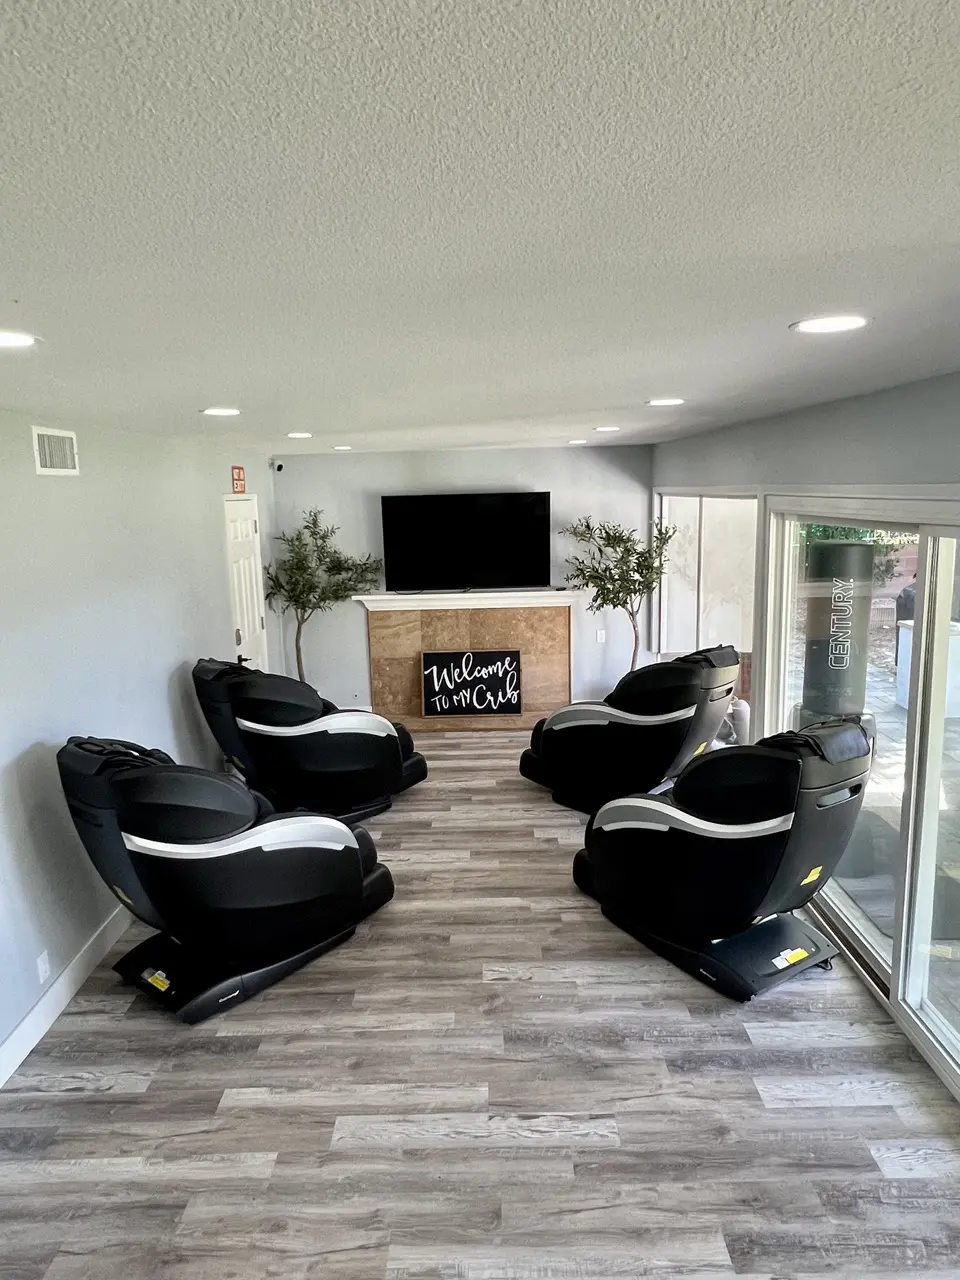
[618,567]
[313,574]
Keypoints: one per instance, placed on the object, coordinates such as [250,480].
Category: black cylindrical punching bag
[839,589]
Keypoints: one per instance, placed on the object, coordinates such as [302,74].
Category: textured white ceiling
[414,223]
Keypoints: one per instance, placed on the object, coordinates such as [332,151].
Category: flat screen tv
[459,541]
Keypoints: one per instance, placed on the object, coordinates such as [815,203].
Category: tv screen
[458,541]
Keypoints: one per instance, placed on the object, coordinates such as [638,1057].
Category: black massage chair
[709,875]
[299,749]
[241,896]
[646,730]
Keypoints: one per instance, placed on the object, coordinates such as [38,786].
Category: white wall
[909,435]
[609,483]
[114,582]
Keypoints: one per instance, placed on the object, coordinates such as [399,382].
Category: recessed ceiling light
[606,428]
[220,411]
[342,448]
[576,442]
[14,340]
[829,324]
[665,402]
[299,435]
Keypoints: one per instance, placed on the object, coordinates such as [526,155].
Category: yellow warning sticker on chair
[701,749]
[815,874]
[158,979]
[786,958]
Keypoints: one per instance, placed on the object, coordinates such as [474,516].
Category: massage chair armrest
[339,722]
[402,733]
[278,833]
[353,837]
[660,813]
[599,820]
[597,714]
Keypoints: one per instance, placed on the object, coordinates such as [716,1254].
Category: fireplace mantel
[417,601]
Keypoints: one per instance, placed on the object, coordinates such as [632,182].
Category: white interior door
[245,570]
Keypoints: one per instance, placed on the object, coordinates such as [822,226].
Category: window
[706,596]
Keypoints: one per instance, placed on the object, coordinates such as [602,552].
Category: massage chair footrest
[531,768]
[586,801]
[378,889]
[414,771]
[362,813]
[749,963]
[194,987]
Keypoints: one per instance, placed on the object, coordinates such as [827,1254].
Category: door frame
[229,498]
[919,870]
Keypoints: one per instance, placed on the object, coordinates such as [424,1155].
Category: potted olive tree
[313,574]
[618,567]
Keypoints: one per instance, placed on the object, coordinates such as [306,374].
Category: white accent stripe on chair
[336,722]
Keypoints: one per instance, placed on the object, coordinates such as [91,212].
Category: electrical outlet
[43,966]
[601,636]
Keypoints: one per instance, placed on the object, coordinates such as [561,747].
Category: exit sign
[239,479]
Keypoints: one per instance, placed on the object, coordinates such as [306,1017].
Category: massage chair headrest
[752,784]
[830,751]
[88,767]
[211,678]
[178,804]
[656,690]
[276,700]
[718,665]
[668,686]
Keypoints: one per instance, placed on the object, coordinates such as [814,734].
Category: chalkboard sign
[465,683]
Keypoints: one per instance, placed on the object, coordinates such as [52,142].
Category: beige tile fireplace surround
[401,627]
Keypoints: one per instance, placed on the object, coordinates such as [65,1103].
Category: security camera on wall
[275,465]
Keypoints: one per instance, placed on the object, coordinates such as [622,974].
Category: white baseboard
[28,1033]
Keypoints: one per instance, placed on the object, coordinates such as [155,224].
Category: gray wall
[608,482]
[113,583]
[909,435]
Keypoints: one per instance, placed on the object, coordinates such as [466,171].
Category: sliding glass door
[849,586]
[862,604]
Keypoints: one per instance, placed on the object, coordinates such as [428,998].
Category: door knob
[241,659]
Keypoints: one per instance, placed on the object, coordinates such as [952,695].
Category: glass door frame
[776,582]
[925,734]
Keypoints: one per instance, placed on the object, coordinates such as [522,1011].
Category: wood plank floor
[489,1082]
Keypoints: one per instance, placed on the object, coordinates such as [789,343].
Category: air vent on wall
[55,452]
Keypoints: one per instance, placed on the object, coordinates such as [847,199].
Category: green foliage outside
[886,542]
[313,574]
[617,566]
